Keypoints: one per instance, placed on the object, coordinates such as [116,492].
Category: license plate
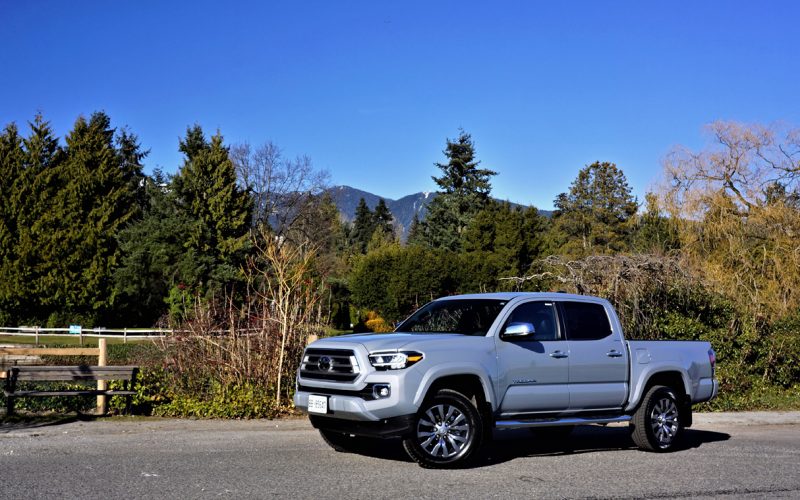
[317,404]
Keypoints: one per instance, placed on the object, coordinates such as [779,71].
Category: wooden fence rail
[124,333]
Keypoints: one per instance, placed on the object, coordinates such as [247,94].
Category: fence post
[36,330]
[102,359]
[124,335]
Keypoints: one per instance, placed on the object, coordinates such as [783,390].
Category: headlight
[394,360]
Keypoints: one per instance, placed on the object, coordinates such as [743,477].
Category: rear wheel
[448,431]
[344,443]
[657,424]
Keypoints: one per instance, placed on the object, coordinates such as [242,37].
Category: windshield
[464,316]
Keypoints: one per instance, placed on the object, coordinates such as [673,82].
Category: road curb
[748,418]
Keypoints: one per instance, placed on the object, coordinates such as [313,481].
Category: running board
[550,422]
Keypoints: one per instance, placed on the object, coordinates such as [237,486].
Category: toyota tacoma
[462,366]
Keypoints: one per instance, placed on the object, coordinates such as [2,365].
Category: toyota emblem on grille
[324,364]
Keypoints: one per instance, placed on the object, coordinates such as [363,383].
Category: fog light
[381,391]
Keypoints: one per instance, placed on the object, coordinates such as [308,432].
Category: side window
[542,315]
[585,321]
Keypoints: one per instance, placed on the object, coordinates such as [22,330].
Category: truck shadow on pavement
[520,443]
[509,445]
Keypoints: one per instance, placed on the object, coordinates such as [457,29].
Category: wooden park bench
[35,373]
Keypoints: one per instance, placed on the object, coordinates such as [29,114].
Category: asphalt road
[261,459]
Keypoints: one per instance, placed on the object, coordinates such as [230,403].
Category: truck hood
[383,341]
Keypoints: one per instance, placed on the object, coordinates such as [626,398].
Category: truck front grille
[339,365]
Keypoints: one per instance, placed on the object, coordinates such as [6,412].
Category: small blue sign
[75,329]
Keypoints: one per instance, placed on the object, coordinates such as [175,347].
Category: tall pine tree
[11,169]
[384,219]
[36,189]
[463,192]
[221,212]
[415,235]
[363,227]
[97,195]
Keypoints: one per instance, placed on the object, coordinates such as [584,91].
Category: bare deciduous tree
[282,277]
[283,189]
[744,162]
[736,206]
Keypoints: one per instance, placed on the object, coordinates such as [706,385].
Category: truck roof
[514,295]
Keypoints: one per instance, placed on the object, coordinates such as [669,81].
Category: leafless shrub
[258,338]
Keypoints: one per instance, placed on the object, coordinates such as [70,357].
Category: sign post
[76,330]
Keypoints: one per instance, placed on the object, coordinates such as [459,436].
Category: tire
[344,443]
[448,432]
[657,424]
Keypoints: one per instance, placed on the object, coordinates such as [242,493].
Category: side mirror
[519,330]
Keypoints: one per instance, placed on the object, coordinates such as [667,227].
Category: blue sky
[370,90]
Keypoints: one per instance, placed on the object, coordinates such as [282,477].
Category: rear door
[598,366]
[533,370]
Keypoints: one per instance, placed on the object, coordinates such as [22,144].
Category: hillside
[403,209]
[346,199]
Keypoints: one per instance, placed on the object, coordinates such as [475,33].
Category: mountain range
[403,209]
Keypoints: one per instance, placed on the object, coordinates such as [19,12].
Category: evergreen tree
[207,192]
[363,226]
[97,197]
[11,169]
[384,219]
[415,235]
[653,232]
[395,280]
[36,190]
[156,263]
[596,215]
[319,226]
[509,236]
[464,191]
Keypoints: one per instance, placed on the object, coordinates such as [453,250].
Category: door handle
[614,354]
[558,355]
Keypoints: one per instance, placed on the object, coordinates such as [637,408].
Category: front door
[534,370]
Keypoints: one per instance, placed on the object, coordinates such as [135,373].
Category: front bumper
[351,400]
[386,428]
[350,403]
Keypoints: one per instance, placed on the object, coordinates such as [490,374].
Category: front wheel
[657,424]
[447,431]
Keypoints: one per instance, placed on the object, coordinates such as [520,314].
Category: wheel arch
[467,381]
[671,377]
[467,384]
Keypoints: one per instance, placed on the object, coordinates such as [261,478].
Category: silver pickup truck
[462,366]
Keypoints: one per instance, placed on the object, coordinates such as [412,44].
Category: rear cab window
[585,320]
